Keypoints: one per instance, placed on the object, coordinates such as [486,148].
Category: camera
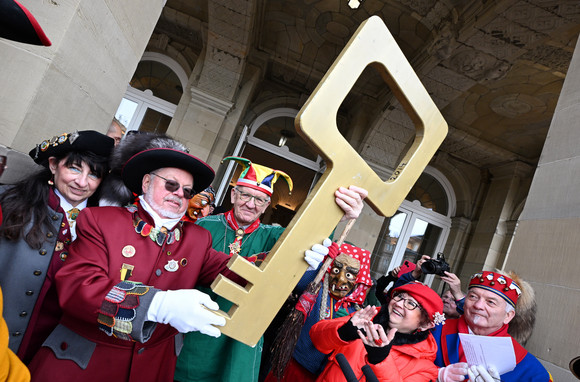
[436,266]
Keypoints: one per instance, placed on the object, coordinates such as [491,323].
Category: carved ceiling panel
[494,68]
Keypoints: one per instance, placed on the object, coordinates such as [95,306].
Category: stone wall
[545,248]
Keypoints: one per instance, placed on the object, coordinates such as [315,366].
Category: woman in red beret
[395,341]
[39,215]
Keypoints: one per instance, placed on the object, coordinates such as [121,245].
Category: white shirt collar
[66,206]
[159,221]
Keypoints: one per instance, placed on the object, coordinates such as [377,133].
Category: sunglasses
[172,186]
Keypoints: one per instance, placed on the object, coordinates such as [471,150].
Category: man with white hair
[240,231]
[490,305]
[126,289]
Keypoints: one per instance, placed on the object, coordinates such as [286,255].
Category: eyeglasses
[172,186]
[245,197]
[407,303]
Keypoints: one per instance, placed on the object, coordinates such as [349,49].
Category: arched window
[419,227]
[152,94]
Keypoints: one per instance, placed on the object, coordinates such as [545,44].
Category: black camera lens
[429,267]
[436,266]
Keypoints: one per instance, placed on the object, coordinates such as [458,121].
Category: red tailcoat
[106,240]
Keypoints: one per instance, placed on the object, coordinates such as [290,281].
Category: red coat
[409,363]
[93,268]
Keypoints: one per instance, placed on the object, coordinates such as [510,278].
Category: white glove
[477,373]
[455,372]
[184,310]
[316,254]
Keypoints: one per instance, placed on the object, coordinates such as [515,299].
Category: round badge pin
[128,251]
[171,266]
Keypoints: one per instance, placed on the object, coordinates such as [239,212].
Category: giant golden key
[256,304]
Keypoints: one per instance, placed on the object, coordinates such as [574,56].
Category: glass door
[388,240]
[408,235]
[420,226]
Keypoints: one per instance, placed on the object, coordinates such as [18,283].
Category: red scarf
[236,246]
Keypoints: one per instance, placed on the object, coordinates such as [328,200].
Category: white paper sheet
[485,350]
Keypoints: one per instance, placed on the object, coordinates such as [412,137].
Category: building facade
[228,78]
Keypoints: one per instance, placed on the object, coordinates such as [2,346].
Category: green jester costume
[205,358]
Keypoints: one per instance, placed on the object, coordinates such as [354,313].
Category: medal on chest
[128,251]
[171,266]
[160,236]
[126,271]
[235,247]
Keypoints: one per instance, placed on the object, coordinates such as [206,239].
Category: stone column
[510,231]
[545,248]
[454,250]
[455,245]
[208,122]
[490,232]
[78,82]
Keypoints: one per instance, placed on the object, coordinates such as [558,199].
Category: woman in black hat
[39,223]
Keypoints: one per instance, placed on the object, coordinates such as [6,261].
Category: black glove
[382,283]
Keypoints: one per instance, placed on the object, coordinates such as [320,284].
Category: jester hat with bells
[259,177]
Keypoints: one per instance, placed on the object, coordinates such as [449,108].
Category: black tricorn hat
[152,159]
[18,24]
[58,146]
[575,367]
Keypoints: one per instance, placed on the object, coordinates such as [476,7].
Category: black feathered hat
[58,146]
[150,160]
[18,24]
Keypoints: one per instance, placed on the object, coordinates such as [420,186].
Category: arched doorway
[153,94]
[419,227]
[271,140]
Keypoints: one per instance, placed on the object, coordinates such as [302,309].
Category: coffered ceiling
[494,68]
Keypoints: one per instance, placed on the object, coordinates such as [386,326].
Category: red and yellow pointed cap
[259,177]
